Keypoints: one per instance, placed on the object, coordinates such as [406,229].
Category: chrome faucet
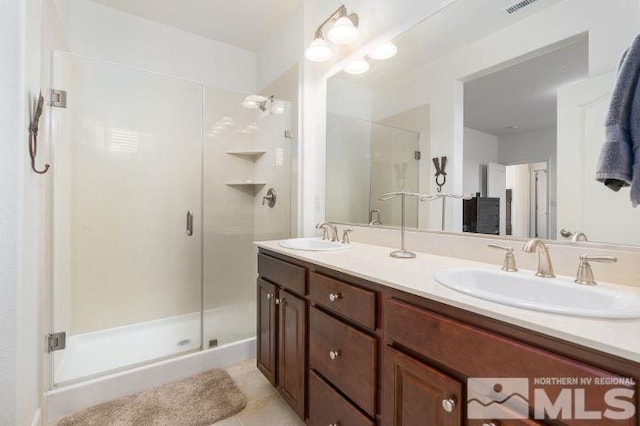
[544,268]
[585,273]
[509,263]
[372,221]
[579,236]
[329,231]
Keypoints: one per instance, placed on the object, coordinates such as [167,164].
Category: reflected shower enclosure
[364,161]
[156,200]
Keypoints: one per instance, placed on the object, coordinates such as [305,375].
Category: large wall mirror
[515,100]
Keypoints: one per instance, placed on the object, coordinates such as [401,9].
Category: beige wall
[286,87]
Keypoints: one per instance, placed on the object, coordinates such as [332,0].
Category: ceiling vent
[520,5]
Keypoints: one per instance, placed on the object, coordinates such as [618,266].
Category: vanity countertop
[619,337]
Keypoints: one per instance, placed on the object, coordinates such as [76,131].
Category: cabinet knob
[335,296]
[334,424]
[269,296]
[448,405]
[490,424]
[280,301]
[334,354]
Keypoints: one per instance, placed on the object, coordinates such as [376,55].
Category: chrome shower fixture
[258,102]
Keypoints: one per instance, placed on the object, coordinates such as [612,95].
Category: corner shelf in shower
[244,183]
[253,154]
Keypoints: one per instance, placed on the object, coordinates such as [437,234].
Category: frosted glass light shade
[384,51]
[318,51]
[343,31]
[357,66]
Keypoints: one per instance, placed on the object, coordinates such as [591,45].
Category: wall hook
[441,175]
[33,137]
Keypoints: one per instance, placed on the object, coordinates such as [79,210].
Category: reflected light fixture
[384,51]
[357,66]
[344,30]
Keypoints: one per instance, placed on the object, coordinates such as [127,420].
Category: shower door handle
[189,223]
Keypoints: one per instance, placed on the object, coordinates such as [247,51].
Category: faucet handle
[585,273]
[509,264]
[345,236]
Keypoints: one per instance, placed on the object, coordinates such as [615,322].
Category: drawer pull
[448,405]
[334,354]
[335,296]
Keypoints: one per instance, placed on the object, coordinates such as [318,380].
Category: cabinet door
[414,393]
[292,350]
[267,330]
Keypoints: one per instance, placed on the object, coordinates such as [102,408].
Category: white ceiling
[524,95]
[241,23]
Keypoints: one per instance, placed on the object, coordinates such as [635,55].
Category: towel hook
[33,137]
[440,164]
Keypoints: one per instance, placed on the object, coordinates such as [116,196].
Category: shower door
[126,217]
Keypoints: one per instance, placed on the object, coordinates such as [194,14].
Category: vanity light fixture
[384,51]
[357,66]
[319,50]
[344,30]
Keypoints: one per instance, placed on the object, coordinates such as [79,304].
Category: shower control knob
[334,354]
[335,296]
[448,405]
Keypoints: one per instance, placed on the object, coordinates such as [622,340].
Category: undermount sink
[554,295]
[313,244]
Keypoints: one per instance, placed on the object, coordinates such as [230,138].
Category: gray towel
[619,163]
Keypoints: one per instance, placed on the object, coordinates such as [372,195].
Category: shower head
[267,103]
[263,103]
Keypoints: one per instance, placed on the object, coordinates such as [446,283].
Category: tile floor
[265,406]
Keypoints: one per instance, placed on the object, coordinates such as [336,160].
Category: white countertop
[415,276]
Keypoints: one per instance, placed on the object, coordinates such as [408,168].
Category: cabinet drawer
[284,274]
[350,301]
[327,407]
[345,356]
[474,352]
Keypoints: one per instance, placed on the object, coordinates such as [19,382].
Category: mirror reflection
[516,102]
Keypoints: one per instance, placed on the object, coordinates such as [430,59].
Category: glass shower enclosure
[156,198]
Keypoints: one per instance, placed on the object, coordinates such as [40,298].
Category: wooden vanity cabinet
[267,333]
[350,352]
[282,329]
[416,394]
